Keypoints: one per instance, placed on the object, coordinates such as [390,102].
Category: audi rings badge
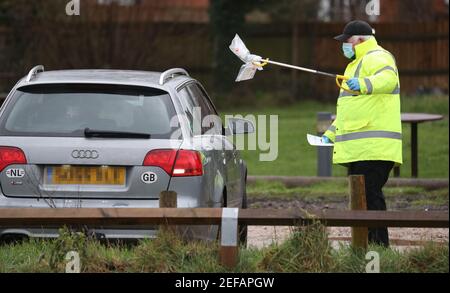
[85,154]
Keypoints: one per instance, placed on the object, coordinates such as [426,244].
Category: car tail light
[161,158]
[176,163]
[11,155]
[188,163]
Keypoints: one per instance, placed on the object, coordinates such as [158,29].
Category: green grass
[297,158]
[306,250]
[325,192]
[336,188]
[266,189]
[431,258]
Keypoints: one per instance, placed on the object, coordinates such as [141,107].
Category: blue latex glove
[353,84]
[325,139]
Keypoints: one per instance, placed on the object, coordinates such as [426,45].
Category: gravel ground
[261,236]
[402,203]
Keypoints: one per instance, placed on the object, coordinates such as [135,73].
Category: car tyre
[243,228]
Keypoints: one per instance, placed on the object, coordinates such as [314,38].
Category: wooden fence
[358,218]
[421,50]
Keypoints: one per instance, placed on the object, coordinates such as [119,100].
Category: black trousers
[376,174]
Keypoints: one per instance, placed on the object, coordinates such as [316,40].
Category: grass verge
[306,250]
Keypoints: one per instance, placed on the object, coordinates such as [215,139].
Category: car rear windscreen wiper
[113,134]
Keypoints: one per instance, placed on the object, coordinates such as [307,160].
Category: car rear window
[67,109]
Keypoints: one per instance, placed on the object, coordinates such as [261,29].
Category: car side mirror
[239,126]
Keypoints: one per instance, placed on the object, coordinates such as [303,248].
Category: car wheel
[13,238]
[223,204]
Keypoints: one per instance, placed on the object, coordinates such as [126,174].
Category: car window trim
[189,82]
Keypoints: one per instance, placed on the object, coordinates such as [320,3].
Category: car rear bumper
[122,232]
[130,233]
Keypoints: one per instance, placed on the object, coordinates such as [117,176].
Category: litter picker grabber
[252,63]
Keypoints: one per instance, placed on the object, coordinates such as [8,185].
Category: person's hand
[325,139]
[353,84]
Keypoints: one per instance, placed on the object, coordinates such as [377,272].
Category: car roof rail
[171,73]
[34,71]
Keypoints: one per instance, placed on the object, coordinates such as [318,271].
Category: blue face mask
[347,48]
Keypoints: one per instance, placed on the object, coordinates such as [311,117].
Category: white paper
[316,140]
[246,72]
[238,47]
[249,69]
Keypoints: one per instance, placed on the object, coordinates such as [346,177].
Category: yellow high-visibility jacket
[368,126]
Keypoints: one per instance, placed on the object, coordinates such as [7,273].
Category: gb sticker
[15,173]
[149,177]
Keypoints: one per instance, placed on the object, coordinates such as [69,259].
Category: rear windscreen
[68,109]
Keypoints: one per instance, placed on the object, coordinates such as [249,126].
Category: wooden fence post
[168,199]
[358,202]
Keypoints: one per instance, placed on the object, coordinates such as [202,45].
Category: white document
[249,69]
[246,72]
[238,47]
[316,140]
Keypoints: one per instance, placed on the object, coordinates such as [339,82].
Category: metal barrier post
[229,237]
[324,154]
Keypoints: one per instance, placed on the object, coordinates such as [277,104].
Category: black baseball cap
[355,28]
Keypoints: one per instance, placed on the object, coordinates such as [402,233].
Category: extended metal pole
[339,78]
[300,68]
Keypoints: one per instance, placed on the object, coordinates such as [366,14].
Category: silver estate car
[116,139]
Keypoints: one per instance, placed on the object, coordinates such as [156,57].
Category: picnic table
[414,119]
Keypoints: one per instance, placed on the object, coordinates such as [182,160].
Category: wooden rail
[104,217]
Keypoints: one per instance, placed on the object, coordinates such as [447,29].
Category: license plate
[85,175]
